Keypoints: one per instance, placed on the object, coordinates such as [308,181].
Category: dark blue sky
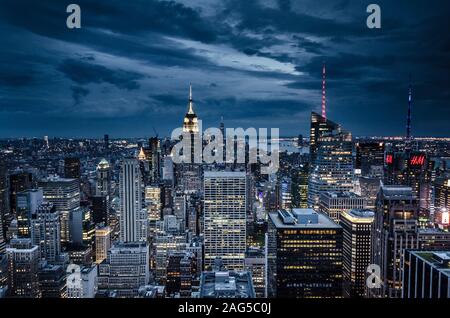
[256,63]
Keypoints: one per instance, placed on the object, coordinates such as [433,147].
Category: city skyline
[256,64]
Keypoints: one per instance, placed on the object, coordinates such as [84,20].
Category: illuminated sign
[417,160]
[389,159]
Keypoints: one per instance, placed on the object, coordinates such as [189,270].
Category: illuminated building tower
[395,229]
[133,219]
[334,204]
[356,225]
[72,168]
[101,200]
[332,168]
[18,181]
[23,267]
[369,190]
[190,123]
[164,244]
[27,203]
[64,194]
[125,269]
[179,210]
[304,255]
[180,274]
[442,193]
[408,168]
[46,232]
[300,186]
[155,160]
[255,263]
[319,127]
[369,155]
[103,184]
[224,227]
[189,173]
[285,194]
[152,199]
[102,243]
[426,274]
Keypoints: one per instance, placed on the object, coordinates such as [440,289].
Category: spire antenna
[324,100]
[408,119]
[191,104]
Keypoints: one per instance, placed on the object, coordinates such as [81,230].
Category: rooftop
[301,218]
[438,259]
[226,284]
[359,216]
[224,174]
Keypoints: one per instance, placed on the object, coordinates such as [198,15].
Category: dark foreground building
[304,255]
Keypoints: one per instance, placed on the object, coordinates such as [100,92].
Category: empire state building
[190,123]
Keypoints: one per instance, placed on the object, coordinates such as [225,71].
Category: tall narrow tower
[408,120]
[324,100]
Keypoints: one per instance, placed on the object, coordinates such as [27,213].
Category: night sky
[256,63]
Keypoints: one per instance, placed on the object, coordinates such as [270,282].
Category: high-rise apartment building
[225,218]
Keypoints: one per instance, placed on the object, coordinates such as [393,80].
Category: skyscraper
[18,181]
[46,232]
[155,160]
[102,243]
[369,154]
[319,127]
[27,203]
[304,255]
[356,225]
[332,165]
[64,194]
[103,184]
[133,219]
[394,230]
[225,218]
[23,260]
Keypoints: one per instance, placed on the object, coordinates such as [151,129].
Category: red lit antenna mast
[324,100]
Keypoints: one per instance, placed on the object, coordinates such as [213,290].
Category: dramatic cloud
[254,62]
